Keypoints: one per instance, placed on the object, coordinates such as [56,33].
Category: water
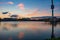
[27,30]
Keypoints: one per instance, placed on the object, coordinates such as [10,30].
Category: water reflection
[21,35]
[27,30]
[53,24]
[10,38]
[52,34]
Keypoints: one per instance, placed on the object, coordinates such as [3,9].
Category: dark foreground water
[27,30]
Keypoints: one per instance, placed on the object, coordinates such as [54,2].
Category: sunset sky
[29,8]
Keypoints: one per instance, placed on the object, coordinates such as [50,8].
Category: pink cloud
[21,6]
[57,14]
[6,2]
[1,7]
[57,8]
[1,2]
[10,3]
[36,12]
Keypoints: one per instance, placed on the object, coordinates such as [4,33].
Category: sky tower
[52,8]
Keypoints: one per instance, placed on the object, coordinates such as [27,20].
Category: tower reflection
[53,27]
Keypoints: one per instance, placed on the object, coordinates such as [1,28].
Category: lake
[27,30]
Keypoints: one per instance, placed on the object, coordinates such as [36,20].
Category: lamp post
[52,8]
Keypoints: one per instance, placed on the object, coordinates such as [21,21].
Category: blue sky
[29,6]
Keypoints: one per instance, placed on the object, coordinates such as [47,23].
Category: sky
[29,8]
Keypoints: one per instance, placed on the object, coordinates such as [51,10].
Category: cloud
[21,6]
[1,2]
[7,2]
[36,12]
[32,12]
[10,3]
[57,14]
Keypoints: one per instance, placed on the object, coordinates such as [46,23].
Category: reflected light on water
[10,38]
[21,35]
[24,25]
[27,30]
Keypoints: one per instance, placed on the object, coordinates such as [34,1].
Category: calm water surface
[27,30]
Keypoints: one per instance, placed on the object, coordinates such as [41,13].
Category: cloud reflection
[10,38]
[24,25]
[21,35]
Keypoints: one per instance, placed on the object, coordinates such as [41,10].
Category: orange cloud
[10,3]
[21,6]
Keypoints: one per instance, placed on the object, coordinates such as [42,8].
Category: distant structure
[35,18]
[14,16]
